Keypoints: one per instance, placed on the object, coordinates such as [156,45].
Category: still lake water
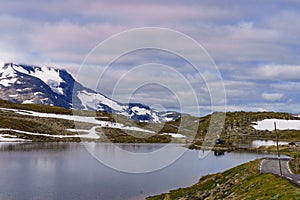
[66,171]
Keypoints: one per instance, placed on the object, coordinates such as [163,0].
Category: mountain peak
[8,75]
[48,75]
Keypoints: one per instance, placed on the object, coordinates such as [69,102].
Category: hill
[35,122]
[43,119]
[242,182]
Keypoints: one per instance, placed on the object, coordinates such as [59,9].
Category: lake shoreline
[241,182]
[218,148]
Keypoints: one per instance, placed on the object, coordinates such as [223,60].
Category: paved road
[271,165]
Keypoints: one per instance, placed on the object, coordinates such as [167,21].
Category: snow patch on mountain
[44,85]
[92,101]
[8,82]
[7,75]
[48,75]
[140,111]
[28,101]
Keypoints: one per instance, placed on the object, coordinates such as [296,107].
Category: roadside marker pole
[278,153]
[297,159]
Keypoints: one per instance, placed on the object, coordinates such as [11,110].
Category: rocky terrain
[22,83]
[237,128]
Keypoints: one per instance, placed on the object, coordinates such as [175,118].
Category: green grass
[12,120]
[126,136]
[242,182]
[35,107]
[237,126]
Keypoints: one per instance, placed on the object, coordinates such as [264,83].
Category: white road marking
[273,169]
[260,166]
[288,167]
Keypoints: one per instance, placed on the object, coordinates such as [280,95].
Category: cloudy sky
[255,45]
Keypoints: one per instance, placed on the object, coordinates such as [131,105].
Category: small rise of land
[233,127]
[242,182]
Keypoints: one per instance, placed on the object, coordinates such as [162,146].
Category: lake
[47,171]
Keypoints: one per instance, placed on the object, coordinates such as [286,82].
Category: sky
[255,46]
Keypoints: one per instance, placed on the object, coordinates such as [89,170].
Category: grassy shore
[241,182]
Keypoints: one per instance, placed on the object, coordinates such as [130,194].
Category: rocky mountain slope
[41,123]
[45,85]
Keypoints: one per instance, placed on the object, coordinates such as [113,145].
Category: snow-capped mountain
[45,85]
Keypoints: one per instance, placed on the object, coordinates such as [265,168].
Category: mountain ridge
[22,83]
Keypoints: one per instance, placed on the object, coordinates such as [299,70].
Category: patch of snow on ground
[168,119]
[175,135]
[282,124]
[13,95]
[77,118]
[10,138]
[132,128]
[91,134]
[27,102]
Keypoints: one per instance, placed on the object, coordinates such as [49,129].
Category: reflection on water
[247,143]
[34,146]
[141,148]
[219,153]
[124,157]
[259,143]
[67,171]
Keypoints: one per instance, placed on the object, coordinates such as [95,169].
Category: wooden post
[278,152]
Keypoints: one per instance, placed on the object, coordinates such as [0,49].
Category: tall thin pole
[278,153]
[296,159]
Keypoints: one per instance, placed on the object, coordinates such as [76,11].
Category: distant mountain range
[46,85]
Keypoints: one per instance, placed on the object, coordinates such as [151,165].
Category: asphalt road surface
[271,165]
